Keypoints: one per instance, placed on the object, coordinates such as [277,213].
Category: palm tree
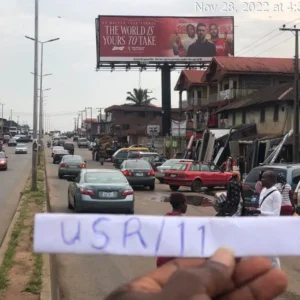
[139,97]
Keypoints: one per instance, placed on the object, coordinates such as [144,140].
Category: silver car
[101,190]
[21,149]
[71,166]
[82,142]
[160,174]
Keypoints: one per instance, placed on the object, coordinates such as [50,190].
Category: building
[224,81]
[129,122]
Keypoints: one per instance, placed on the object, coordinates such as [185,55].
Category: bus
[13,131]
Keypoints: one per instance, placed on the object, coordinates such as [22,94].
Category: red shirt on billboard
[223,45]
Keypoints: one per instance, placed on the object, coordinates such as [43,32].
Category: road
[92,277]
[12,183]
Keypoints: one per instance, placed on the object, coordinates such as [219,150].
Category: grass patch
[37,199]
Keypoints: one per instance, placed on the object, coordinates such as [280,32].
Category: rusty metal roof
[281,92]
[136,108]
[187,78]
[255,64]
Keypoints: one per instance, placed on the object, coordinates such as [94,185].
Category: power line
[259,39]
[274,46]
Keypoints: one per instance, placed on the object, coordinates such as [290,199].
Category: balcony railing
[193,102]
[230,94]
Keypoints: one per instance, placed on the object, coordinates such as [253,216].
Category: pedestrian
[219,277]
[234,195]
[258,185]
[178,202]
[287,193]
[270,201]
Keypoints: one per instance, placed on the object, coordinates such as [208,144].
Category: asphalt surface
[92,277]
[12,183]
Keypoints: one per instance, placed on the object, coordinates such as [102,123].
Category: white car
[21,149]
[56,148]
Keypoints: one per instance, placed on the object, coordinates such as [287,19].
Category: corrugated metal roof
[282,92]
[187,78]
[256,64]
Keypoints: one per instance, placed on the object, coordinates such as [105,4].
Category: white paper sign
[165,236]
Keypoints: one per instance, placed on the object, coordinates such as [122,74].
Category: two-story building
[129,122]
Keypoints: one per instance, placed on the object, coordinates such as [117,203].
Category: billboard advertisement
[163,39]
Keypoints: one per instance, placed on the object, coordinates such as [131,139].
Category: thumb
[212,279]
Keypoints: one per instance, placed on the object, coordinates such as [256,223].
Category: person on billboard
[202,47]
[180,46]
[223,45]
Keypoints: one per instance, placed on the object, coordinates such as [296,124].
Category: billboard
[163,39]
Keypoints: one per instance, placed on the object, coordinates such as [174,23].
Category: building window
[276,113]
[226,86]
[262,115]
[233,119]
[199,94]
[244,117]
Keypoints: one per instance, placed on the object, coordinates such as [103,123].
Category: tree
[139,97]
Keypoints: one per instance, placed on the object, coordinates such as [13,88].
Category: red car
[3,161]
[196,175]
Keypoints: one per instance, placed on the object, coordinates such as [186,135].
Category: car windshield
[253,176]
[104,177]
[73,158]
[2,155]
[82,140]
[179,167]
[21,145]
[169,163]
[139,164]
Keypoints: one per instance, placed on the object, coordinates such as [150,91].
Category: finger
[265,287]
[212,278]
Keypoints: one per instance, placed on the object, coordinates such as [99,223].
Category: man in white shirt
[270,201]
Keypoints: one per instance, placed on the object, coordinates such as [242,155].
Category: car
[12,143]
[196,175]
[21,149]
[71,166]
[57,157]
[61,143]
[63,137]
[139,173]
[92,145]
[56,148]
[55,141]
[70,147]
[291,172]
[103,190]
[3,161]
[124,153]
[75,138]
[167,165]
[82,142]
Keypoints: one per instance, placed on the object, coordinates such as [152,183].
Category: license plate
[173,175]
[107,194]
[73,167]
[139,174]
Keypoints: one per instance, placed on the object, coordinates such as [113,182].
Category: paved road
[92,277]
[12,183]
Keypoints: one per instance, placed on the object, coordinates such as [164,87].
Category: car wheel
[196,186]
[70,206]
[152,187]
[174,188]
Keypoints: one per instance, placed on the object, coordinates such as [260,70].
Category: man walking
[270,201]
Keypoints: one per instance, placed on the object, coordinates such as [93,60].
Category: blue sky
[74,83]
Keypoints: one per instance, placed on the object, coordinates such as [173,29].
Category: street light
[41,83]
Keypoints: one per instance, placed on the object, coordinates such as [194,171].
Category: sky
[72,59]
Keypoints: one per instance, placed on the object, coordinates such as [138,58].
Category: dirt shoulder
[21,271]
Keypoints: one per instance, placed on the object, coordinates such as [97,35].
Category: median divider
[22,272]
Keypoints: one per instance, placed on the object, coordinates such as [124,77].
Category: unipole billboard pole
[166,98]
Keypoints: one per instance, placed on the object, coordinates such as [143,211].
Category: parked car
[139,173]
[101,190]
[71,166]
[196,175]
[291,172]
[12,143]
[82,143]
[57,157]
[167,165]
[56,148]
[70,147]
[3,161]
[21,149]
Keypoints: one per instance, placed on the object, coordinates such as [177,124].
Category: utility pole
[78,123]
[296,94]
[2,110]
[18,119]
[75,124]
